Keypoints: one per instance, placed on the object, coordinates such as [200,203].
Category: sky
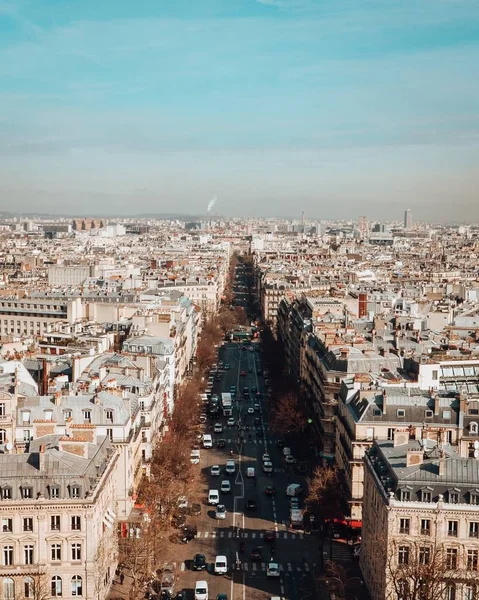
[338,108]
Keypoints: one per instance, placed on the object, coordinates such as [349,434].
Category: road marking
[182,568]
[206,534]
[254,566]
[230,534]
[253,535]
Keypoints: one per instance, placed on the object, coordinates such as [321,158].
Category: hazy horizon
[334,108]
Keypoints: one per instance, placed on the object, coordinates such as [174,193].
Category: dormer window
[87,416]
[426,495]
[453,496]
[67,414]
[48,414]
[401,412]
[109,416]
[405,495]
[27,492]
[74,491]
[377,412]
[26,417]
[429,414]
[473,428]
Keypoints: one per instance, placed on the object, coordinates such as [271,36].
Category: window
[6,493]
[29,587]
[473,428]
[474,529]
[2,409]
[404,526]
[424,555]
[377,412]
[401,412]
[405,495]
[26,417]
[74,491]
[451,591]
[451,558]
[48,415]
[76,523]
[7,556]
[27,523]
[453,497]
[109,433]
[474,498]
[3,436]
[452,527]
[403,555]
[87,416]
[56,586]
[426,496]
[26,435]
[27,492]
[8,588]
[76,551]
[55,522]
[109,416]
[446,414]
[56,551]
[403,589]
[7,525]
[77,586]
[472,560]
[67,414]
[425,527]
[428,414]
[28,554]
[54,491]
[370,433]
[434,374]
[471,592]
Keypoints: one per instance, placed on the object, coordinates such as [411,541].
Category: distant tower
[407,219]
[363,228]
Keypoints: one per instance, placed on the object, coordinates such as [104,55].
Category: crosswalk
[282,535]
[257,567]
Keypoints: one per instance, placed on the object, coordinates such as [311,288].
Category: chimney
[57,398]
[384,401]
[414,457]
[41,458]
[45,374]
[436,405]
[344,353]
[442,465]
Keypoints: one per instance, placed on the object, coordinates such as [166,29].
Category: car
[273,570]
[256,407]
[294,502]
[220,512]
[231,422]
[218,376]
[221,443]
[227,367]
[221,565]
[256,555]
[294,489]
[181,595]
[225,487]
[218,428]
[266,457]
[195,457]
[201,590]
[230,466]
[269,536]
[221,597]
[270,490]
[243,373]
[251,505]
[257,421]
[250,410]
[199,562]
[250,472]
[195,509]
[289,459]
[215,471]
[213,497]
[268,467]
[203,418]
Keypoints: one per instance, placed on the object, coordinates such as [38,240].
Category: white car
[182,502]
[221,565]
[272,570]
[215,471]
[250,410]
[213,497]
[225,486]
[218,428]
[201,590]
[289,460]
[250,472]
[220,512]
[268,467]
[231,422]
[230,466]
[257,406]
[266,457]
[195,457]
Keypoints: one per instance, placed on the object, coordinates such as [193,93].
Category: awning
[109,518]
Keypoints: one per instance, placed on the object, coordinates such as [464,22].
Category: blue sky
[335,107]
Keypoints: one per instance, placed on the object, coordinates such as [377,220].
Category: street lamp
[342,585]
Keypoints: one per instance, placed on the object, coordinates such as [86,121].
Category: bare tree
[106,557]
[36,586]
[339,583]
[324,496]
[288,414]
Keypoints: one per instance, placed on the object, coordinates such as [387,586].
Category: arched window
[29,587]
[471,592]
[403,589]
[8,589]
[77,588]
[57,588]
[473,427]
[451,591]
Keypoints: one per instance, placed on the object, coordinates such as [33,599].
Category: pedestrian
[122,578]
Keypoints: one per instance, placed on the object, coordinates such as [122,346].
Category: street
[296,552]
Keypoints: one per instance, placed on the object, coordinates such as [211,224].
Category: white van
[201,590]
[230,466]
[213,497]
[294,489]
[207,441]
[286,451]
[221,565]
[195,457]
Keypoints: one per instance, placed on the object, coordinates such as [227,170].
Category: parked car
[225,486]
[218,428]
[213,497]
[268,467]
[201,590]
[289,459]
[269,536]
[215,471]
[220,512]
[221,443]
[272,570]
[199,562]
[266,457]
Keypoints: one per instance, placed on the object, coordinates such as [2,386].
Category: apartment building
[57,511]
[421,513]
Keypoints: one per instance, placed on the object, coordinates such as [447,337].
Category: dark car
[199,562]
[221,597]
[181,595]
[269,536]
[251,505]
[221,443]
[270,490]
[195,509]
[256,555]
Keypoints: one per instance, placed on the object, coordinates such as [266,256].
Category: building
[420,514]
[57,505]
[407,219]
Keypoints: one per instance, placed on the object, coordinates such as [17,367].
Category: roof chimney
[436,405]
[384,401]
[41,458]
[414,457]
[442,465]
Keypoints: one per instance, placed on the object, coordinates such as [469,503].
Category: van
[207,441]
[201,590]
[294,489]
[221,565]
[213,497]
[286,451]
[230,466]
[195,457]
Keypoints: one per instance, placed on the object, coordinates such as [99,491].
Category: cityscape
[239,300]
